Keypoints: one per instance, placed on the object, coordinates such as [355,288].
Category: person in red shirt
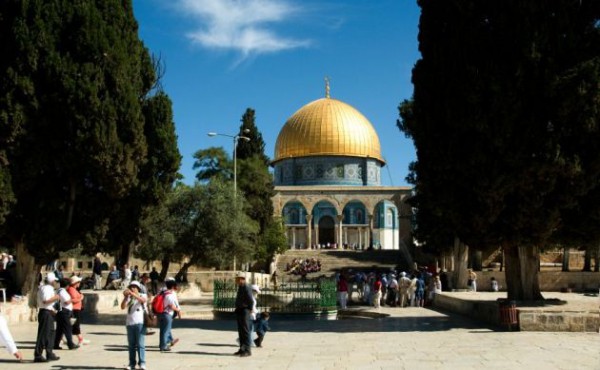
[343,291]
[77,300]
[377,286]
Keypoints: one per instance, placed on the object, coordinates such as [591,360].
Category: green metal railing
[289,297]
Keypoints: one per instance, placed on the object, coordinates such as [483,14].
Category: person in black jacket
[243,306]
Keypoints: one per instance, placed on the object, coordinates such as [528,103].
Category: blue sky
[223,56]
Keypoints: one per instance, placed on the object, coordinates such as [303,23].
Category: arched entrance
[326,230]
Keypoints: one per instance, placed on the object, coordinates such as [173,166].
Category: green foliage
[256,145]
[274,238]
[204,223]
[256,183]
[76,125]
[213,162]
[504,118]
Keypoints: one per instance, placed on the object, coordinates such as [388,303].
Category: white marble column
[308,231]
[340,241]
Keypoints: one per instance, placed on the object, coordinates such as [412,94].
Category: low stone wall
[536,320]
[17,312]
[529,319]
[485,311]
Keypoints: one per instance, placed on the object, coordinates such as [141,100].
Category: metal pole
[235,139]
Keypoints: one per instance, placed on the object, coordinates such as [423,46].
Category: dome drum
[328,170]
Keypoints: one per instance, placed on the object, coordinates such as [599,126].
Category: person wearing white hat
[45,335]
[134,301]
[244,302]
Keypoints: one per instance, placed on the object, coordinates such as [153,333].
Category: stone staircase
[333,260]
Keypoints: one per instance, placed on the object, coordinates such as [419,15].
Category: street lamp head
[246,131]
[244,138]
[212,134]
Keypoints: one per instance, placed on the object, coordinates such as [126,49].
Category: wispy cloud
[246,26]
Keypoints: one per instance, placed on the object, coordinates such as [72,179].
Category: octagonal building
[327,176]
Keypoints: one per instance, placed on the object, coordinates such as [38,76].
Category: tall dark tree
[256,145]
[498,159]
[254,179]
[73,79]
[155,179]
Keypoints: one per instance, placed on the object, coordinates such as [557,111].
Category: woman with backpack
[135,301]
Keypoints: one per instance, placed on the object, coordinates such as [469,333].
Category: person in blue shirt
[261,325]
[420,291]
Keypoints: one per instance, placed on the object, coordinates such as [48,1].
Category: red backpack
[158,302]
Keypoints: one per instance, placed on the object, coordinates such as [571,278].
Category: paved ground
[412,338]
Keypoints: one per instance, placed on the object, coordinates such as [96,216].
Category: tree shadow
[203,353]
[444,322]
[217,345]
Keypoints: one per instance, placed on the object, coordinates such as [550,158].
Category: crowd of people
[392,289]
[60,303]
[300,266]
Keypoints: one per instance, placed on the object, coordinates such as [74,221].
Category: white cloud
[246,26]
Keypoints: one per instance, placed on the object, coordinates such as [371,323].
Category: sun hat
[75,279]
[240,274]
[135,284]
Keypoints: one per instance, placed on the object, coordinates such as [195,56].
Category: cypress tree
[73,79]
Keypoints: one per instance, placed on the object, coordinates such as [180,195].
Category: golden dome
[327,127]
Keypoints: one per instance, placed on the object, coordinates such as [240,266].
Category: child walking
[261,325]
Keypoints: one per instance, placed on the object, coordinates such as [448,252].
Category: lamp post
[235,141]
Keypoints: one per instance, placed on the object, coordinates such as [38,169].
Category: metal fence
[289,297]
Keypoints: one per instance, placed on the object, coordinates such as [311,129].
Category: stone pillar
[317,235]
[346,235]
[340,239]
[308,231]
[360,238]
[369,239]
[294,237]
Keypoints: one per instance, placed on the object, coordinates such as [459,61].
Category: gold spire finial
[327,87]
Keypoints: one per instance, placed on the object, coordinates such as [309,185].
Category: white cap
[50,277]
[256,288]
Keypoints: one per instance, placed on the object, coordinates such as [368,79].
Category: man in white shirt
[7,341]
[46,312]
[63,318]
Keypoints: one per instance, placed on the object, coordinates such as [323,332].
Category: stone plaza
[408,338]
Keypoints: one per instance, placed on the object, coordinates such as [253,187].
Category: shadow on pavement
[78,367]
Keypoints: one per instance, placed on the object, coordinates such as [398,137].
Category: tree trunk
[27,276]
[182,273]
[565,259]
[164,269]
[459,277]
[522,274]
[587,260]
[475,260]
[597,259]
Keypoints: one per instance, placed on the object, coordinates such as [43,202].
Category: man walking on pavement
[45,335]
[243,306]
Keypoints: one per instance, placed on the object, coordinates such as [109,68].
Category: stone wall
[550,281]
[538,320]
